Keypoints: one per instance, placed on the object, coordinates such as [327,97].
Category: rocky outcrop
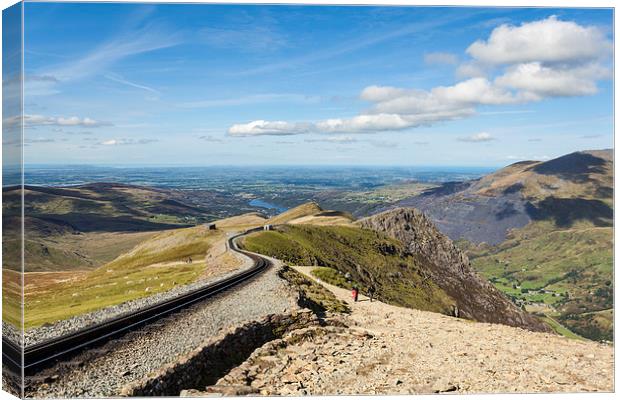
[449,268]
[207,363]
[381,349]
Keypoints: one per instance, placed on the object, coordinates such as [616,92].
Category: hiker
[371,291]
[355,292]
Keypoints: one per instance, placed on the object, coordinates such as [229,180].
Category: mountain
[311,213]
[403,255]
[541,232]
[450,269]
[568,189]
[371,258]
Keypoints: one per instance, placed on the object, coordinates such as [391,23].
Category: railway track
[37,356]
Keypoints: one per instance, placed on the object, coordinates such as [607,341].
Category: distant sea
[225,178]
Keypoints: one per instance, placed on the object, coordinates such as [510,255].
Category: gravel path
[78,322]
[93,374]
[394,350]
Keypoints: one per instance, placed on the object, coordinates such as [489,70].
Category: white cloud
[531,62]
[471,69]
[441,58]
[124,142]
[261,127]
[39,120]
[539,81]
[477,138]
[548,41]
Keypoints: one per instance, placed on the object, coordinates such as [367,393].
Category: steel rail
[37,356]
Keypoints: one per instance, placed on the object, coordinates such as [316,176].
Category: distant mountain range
[577,186]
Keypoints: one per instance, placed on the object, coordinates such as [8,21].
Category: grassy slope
[86,226]
[314,296]
[300,211]
[155,265]
[363,253]
[576,264]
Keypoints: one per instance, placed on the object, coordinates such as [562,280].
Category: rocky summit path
[394,350]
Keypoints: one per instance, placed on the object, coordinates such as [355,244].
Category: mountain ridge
[475,297]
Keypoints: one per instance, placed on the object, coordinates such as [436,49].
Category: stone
[232,390]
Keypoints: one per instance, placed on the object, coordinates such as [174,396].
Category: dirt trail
[394,350]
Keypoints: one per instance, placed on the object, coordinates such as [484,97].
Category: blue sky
[247,85]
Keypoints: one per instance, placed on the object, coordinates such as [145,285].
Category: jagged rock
[475,297]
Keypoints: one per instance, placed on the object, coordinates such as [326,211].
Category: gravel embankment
[42,333]
[393,350]
[11,332]
[93,374]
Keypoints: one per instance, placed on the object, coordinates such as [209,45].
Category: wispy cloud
[252,99]
[477,138]
[441,58]
[522,158]
[126,142]
[255,37]
[210,138]
[371,39]
[383,144]
[132,42]
[119,79]
[339,139]
[41,120]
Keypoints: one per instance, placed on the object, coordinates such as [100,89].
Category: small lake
[267,205]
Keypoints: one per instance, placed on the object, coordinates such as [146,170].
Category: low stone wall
[209,362]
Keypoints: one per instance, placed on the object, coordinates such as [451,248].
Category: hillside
[542,232]
[303,210]
[572,188]
[311,214]
[450,269]
[370,258]
[83,227]
[564,273]
[397,351]
[417,267]
[155,265]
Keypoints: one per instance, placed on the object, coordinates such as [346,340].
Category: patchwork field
[563,273]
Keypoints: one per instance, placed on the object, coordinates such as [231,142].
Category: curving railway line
[39,355]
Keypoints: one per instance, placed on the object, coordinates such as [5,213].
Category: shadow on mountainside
[575,167]
[565,212]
